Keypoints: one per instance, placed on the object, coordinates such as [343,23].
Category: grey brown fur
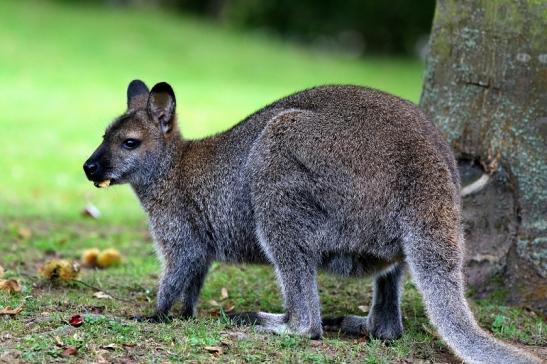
[342,178]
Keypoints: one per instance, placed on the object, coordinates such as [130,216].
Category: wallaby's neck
[156,185]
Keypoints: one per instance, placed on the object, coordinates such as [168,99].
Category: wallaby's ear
[137,94]
[161,106]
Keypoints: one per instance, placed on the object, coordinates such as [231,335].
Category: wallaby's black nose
[91,168]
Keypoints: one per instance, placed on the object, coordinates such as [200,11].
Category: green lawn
[63,75]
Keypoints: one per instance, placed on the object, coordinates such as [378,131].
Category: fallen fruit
[59,270]
[89,257]
[108,257]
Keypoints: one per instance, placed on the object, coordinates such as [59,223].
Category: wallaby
[342,178]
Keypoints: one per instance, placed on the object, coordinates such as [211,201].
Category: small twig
[102,290]
[32,277]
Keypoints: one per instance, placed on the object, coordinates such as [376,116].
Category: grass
[63,71]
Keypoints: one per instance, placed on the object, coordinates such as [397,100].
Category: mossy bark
[486,88]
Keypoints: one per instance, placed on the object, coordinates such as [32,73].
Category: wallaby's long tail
[438,276]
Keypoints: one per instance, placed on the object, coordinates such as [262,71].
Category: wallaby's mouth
[103,184]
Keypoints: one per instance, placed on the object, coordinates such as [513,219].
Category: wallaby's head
[136,142]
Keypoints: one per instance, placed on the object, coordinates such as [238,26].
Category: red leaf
[76,321]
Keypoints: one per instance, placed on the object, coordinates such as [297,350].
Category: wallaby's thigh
[290,221]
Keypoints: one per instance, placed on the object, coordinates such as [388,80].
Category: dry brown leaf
[11,312]
[1,271]
[102,295]
[229,308]
[429,330]
[214,303]
[223,293]
[70,351]
[24,233]
[215,350]
[9,285]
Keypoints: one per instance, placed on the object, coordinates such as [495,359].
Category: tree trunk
[486,88]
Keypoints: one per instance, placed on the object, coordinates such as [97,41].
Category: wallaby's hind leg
[384,320]
[295,265]
[435,261]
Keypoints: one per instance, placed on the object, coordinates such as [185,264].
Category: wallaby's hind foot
[360,326]
[276,323]
[348,325]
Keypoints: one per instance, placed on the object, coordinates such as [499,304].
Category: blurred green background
[65,65]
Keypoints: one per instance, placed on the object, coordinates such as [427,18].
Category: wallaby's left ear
[161,106]
[137,94]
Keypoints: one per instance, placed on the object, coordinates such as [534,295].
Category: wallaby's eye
[131,144]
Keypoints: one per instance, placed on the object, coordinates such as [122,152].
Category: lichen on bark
[486,88]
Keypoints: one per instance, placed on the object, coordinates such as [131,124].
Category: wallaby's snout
[96,168]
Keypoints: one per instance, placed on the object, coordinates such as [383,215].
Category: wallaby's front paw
[155,318]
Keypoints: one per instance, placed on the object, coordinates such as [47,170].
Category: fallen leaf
[362,339]
[24,233]
[11,312]
[229,308]
[223,293]
[9,285]
[429,330]
[70,351]
[363,308]
[110,347]
[102,295]
[76,321]
[215,350]
[1,271]
[92,211]
[316,343]
[58,342]
[214,303]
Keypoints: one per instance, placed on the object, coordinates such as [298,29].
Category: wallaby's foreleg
[182,277]
[435,261]
[384,319]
